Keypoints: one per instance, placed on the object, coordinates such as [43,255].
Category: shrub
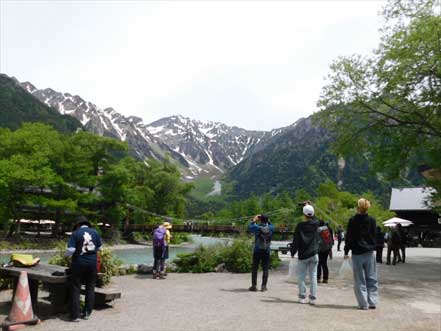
[109,265]
[179,238]
[237,257]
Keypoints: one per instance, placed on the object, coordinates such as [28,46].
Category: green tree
[387,107]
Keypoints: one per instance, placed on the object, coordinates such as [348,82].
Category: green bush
[237,257]
[109,263]
[59,258]
[179,238]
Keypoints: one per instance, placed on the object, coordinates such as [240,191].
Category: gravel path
[410,297]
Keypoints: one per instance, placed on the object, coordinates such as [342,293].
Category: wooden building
[414,204]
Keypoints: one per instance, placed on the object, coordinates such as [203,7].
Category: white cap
[308,210]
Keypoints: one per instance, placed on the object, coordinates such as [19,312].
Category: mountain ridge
[200,148]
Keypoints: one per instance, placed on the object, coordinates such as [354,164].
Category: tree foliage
[59,176]
[387,106]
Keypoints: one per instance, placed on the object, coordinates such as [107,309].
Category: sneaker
[302,301]
[372,307]
[253,289]
[312,302]
[75,319]
[319,280]
[325,281]
[363,308]
[161,276]
[86,315]
[264,289]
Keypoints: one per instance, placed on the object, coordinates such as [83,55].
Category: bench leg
[33,289]
[59,294]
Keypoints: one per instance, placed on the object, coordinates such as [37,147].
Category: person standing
[306,243]
[393,246]
[83,245]
[379,237]
[403,242]
[340,237]
[263,231]
[325,250]
[360,239]
[159,244]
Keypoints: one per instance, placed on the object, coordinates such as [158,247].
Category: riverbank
[410,296]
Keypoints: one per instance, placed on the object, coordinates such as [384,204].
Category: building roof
[415,198]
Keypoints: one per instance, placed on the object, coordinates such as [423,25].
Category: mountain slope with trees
[17,107]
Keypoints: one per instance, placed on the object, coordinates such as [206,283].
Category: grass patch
[201,187]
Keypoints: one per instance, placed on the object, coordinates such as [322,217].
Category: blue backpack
[159,237]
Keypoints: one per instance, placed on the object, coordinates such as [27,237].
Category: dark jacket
[306,239]
[339,234]
[86,242]
[360,234]
[379,237]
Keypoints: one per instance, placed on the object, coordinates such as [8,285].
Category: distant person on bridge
[263,231]
[360,239]
[306,243]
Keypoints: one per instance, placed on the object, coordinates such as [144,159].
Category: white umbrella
[396,220]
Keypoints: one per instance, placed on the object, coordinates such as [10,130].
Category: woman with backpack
[263,232]
[325,250]
[360,239]
[161,242]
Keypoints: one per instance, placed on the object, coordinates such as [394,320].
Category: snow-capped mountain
[201,148]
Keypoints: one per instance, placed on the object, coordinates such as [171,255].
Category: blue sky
[256,65]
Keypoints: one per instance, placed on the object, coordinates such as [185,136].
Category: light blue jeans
[365,279]
[308,265]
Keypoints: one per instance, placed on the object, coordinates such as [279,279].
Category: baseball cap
[308,210]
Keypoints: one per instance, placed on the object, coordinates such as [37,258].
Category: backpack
[159,237]
[263,238]
[325,240]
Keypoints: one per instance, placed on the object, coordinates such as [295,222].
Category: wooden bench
[103,296]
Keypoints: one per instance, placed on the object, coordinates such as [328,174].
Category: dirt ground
[410,297]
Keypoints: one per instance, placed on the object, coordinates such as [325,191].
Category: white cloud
[253,64]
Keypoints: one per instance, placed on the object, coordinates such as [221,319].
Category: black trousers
[159,258]
[86,273]
[260,257]
[403,253]
[396,253]
[339,243]
[379,255]
[323,265]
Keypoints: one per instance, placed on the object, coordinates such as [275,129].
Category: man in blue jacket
[83,246]
[263,231]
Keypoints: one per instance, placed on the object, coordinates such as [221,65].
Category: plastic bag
[346,272]
[292,273]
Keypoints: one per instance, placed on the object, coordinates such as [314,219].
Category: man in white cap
[306,243]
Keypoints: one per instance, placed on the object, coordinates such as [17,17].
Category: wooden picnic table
[57,285]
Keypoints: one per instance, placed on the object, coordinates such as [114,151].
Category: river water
[144,254]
